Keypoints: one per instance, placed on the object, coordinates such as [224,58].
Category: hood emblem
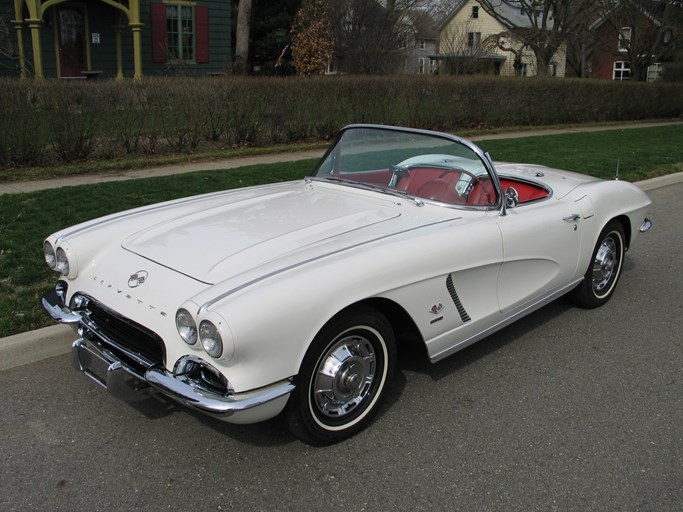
[137,279]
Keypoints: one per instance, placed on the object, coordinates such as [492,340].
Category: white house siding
[462,22]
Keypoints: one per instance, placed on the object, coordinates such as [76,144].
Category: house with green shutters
[75,39]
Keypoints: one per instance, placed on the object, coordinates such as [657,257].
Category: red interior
[439,185]
[526,191]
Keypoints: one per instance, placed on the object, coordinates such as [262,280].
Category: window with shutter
[180,33]
[159,43]
[201,25]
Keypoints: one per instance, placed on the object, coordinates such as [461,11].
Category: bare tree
[369,34]
[581,40]
[648,31]
[508,42]
[242,37]
[541,25]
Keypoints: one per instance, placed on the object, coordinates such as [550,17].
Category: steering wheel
[398,172]
[470,186]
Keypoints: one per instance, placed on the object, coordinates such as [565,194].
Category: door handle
[574,217]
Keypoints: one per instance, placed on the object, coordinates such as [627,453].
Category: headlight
[50,257]
[211,339]
[186,326]
[62,262]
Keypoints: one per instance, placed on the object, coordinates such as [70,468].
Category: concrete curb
[30,347]
[56,340]
[660,181]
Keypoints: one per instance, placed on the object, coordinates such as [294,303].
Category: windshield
[422,165]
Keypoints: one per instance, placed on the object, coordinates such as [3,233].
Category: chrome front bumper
[124,382]
[92,356]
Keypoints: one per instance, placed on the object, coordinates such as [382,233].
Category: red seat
[482,194]
[442,189]
[418,177]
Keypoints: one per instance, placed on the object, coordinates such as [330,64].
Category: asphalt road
[565,410]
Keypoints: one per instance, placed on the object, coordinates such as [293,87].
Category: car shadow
[414,358]
[156,406]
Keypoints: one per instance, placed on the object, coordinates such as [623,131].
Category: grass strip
[639,153]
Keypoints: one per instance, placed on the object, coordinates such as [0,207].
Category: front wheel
[343,377]
[604,271]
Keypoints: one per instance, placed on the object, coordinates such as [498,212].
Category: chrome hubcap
[344,377]
[605,264]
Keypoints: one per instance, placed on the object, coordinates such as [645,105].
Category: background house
[420,44]
[467,43]
[631,44]
[115,38]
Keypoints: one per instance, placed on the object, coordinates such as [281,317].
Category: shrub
[22,138]
[52,119]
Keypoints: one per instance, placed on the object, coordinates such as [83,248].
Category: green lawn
[26,219]
[640,152]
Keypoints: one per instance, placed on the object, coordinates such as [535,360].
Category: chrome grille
[129,340]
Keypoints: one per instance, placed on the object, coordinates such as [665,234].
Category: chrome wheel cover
[344,377]
[606,264]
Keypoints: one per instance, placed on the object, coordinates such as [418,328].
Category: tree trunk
[242,37]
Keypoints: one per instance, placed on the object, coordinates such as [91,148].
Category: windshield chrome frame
[483,156]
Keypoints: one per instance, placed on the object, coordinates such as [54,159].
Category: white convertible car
[294,298]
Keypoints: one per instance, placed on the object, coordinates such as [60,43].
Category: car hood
[211,240]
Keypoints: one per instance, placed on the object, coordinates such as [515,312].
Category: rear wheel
[343,377]
[604,271]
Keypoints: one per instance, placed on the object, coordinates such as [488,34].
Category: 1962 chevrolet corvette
[294,298]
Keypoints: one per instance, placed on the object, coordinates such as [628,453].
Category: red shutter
[201,35]
[159,42]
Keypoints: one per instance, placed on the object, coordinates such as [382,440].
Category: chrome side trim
[263,277]
[504,323]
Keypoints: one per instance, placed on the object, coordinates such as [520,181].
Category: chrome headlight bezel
[50,255]
[211,339]
[60,257]
[62,264]
[187,327]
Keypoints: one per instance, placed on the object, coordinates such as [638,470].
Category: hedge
[49,120]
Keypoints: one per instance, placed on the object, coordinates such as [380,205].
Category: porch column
[119,58]
[34,25]
[137,49]
[136,27]
[20,46]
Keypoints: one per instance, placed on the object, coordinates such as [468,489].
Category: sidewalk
[235,162]
[152,172]
[34,346]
